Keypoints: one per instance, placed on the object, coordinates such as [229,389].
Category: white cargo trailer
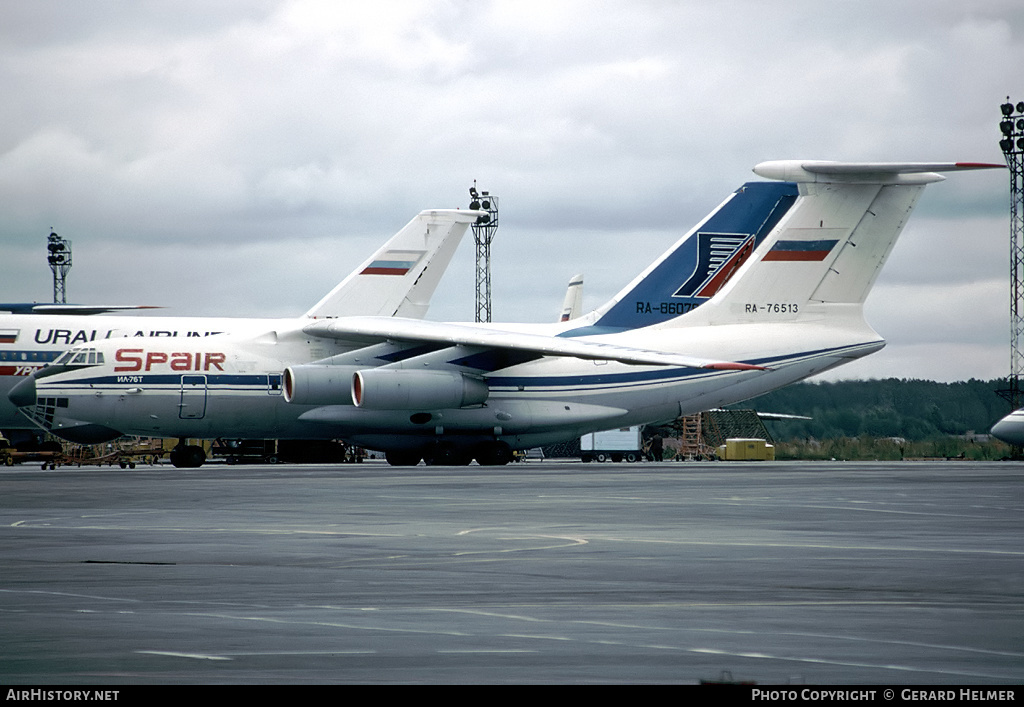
[622,444]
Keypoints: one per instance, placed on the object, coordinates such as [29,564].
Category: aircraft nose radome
[1010,429]
[24,393]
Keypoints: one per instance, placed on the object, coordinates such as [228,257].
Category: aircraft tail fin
[400,278]
[830,246]
[701,262]
[572,305]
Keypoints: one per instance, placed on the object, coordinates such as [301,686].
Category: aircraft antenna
[483,233]
[59,258]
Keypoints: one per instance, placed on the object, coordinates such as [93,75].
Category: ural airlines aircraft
[398,280]
[767,290]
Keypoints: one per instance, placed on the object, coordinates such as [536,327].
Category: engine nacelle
[399,389]
[318,384]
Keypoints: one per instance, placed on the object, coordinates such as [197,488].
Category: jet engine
[400,389]
[318,384]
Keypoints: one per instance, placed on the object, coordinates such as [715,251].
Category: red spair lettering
[140,359]
[131,357]
[214,359]
[154,357]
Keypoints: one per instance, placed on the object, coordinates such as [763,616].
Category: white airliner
[767,290]
[1010,429]
[397,280]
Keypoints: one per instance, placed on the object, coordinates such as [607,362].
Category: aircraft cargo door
[193,398]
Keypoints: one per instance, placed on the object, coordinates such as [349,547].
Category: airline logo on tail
[719,256]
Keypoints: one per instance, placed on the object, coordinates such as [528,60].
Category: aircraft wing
[781,416]
[78,309]
[368,330]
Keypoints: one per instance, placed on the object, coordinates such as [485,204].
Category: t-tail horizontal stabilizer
[864,172]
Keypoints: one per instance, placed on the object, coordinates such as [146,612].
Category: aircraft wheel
[189,457]
[196,456]
[402,458]
[447,455]
[494,454]
[450,459]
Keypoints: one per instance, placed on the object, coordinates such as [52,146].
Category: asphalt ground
[539,572]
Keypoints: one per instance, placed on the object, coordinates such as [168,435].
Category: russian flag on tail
[394,262]
[800,251]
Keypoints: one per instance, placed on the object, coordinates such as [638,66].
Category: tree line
[912,410]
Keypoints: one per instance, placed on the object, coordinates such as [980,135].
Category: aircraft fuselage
[231,387]
[29,342]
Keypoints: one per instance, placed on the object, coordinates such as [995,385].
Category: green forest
[885,419]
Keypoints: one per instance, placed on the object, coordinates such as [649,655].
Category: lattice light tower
[483,233]
[1012,144]
[59,258]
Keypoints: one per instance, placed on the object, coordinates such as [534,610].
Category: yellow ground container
[740,449]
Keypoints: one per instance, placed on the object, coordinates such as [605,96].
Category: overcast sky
[240,157]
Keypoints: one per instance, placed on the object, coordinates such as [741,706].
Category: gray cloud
[241,157]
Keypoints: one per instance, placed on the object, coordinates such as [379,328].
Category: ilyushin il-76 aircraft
[398,279]
[768,289]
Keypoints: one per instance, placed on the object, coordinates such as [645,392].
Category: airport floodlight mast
[59,258]
[483,233]
[1012,144]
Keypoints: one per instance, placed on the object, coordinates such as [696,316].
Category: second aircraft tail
[400,278]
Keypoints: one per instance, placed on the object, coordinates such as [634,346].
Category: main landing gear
[493,453]
[187,456]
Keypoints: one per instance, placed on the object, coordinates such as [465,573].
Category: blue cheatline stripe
[212,379]
[576,382]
